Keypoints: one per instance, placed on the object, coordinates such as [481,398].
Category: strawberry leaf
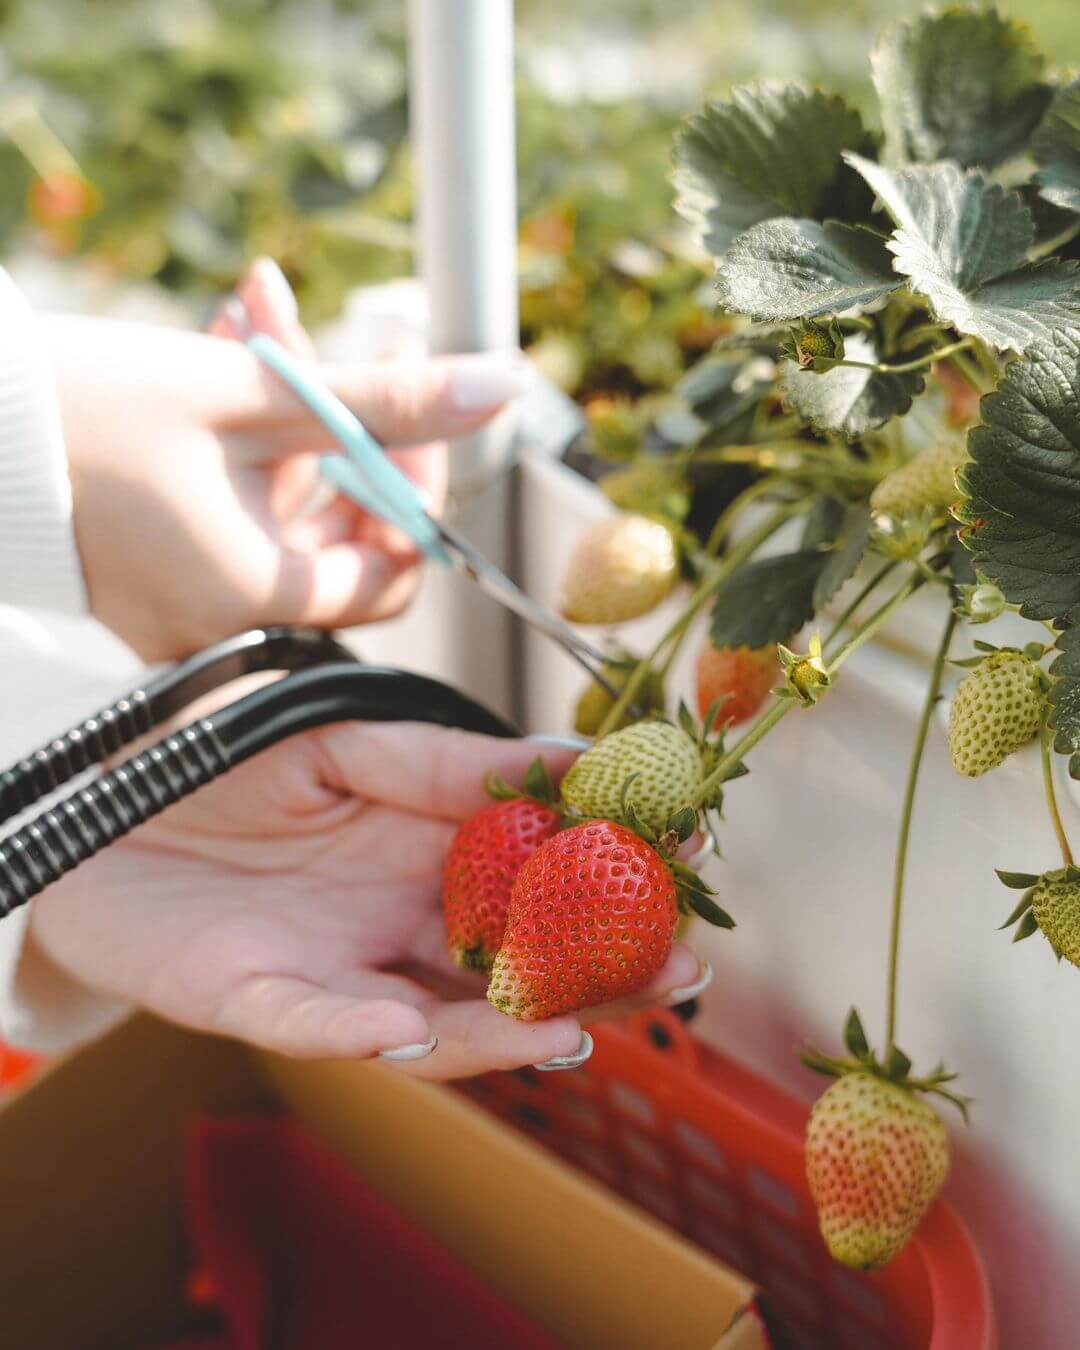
[683,823]
[1056,147]
[962,242]
[705,907]
[1017,881]
[767,600]
[897,1065]
[769,150]
[1021,909]
[855,1035]
[1021,508]
[848,400]
[791,269]
[498,788]
[1026,928]
[958,85]
[538,784]
[844,554]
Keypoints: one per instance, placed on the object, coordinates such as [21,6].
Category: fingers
[294,1016]
[438,771]
[269,306]
[413,402]
[372,1013]
[402,403]
[341,584]
[474,1038]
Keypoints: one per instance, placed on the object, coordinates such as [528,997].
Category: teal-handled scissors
[364,474]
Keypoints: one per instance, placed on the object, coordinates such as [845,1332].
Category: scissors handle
[375,483]
[379,486]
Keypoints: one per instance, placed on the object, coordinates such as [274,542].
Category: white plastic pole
[462,93]
[462,115]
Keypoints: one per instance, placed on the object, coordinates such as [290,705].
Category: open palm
[295,904]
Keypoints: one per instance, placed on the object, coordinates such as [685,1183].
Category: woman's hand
[191,466]
[295,904]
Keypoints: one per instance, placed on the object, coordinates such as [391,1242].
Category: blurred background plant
[165,144]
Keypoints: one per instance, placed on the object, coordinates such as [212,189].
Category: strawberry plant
[898,404]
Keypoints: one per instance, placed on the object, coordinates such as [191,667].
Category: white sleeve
[39,560]
[44,689]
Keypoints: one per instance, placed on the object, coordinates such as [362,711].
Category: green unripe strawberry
[664,761]
[996,709]
[619,569]
[595,703]
[876,1156]
[1055,905]
[927,482]
[649,486]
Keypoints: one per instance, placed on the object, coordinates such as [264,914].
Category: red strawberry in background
[483,861]
[736,679]
[592,919]
[60,198]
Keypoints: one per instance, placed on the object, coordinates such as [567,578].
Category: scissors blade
[473,564]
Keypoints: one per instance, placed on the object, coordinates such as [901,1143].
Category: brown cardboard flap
[92,1253]
[746,1333]
[595,1271]
[91,1232]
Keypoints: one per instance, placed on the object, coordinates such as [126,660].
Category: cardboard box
[92,1253]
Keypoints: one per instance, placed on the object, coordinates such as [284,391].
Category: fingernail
[690,991]
[280,293]
[476,382]
[235,311]
[404,1054]
[574,1061]
[562,742]
[701,857]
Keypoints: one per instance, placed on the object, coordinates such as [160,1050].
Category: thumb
[407,403]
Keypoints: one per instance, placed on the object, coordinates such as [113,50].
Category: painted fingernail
[562,742]
[701,857]
[477,382]
[235,311]
[405,1054]
[689,991]
[574,1061]
[276,285]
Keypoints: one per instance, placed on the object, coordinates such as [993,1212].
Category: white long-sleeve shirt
[43,692]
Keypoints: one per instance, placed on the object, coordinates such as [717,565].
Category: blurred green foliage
[220,129]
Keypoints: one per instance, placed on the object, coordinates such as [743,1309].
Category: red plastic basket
[16,1068]
[716,1152]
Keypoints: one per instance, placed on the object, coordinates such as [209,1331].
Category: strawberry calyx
[895,1067]
[806,676]
[1023,916]
[1033,652]
[537,786]
[692,894]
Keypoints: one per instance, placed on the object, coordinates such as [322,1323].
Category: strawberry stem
[933,690]
[731,512]
[1051,795]
[871,586]
[919,363]
[709,584]
[782,706]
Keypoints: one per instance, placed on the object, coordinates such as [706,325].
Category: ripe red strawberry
[738,679]
[483,861]
[592,918]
